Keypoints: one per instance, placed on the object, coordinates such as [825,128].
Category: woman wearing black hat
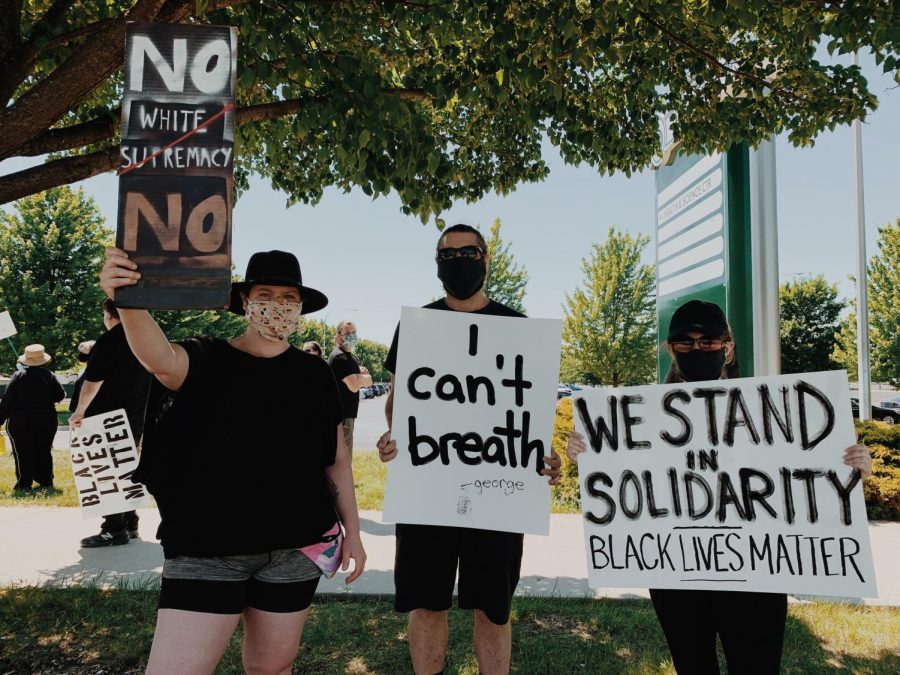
[243,461]
[750,625]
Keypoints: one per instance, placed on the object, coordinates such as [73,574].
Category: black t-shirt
[493,308]
[34,389]
[343,364]
[243,455]
[125,382]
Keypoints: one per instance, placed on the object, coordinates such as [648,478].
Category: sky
[370,259]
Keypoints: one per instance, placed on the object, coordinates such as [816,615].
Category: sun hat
[277,268]
[699,316]
[34,356]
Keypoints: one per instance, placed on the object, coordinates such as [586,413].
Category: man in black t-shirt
[427,556]
[113,379]
[351,376]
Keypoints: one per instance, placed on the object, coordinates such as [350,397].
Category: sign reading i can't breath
[177,154]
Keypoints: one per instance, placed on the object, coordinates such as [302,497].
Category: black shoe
[105,539]
[133,534]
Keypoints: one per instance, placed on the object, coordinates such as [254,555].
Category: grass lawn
[87,630]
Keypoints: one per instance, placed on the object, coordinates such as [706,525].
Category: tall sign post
[717,241]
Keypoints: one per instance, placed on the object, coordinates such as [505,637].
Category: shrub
[882,488]
[565,493]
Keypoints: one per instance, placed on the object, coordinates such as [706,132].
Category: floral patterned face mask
[273,321]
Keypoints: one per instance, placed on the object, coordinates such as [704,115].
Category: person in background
[113,379]
[313,347]
[750,625]
[29,408]
[84,351]
[351,376]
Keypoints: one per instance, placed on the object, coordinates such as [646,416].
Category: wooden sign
[176,164]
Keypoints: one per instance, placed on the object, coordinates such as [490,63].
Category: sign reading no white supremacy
[732,485]
[473,417]
[104,455]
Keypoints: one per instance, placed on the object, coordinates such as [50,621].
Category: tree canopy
[609,331]
[809,319]
[51,251]
[506,280]
[439,100]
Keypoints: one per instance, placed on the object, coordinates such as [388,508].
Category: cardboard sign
[7,327]
[724,485]
[104,455]
[176,168]
[474,399]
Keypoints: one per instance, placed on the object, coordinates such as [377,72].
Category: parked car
[562,391]
[892,403]
[879,413]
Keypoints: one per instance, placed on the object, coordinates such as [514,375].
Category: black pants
[117,522]
[31,433]
[750,626]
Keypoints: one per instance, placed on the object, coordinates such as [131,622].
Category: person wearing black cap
[750,625]
[243,451]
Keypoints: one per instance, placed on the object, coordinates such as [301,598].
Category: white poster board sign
[725,485]
[474,403]
[104,455]
[7,327]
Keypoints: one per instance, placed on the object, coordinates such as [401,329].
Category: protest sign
[176,164]
[724,485]
[473,417]
[104,456]
[7,327]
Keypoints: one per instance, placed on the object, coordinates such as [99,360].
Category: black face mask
[462,277]
[698,365]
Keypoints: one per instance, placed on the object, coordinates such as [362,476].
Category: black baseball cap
[697,315]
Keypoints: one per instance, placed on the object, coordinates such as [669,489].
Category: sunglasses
[471,252]
[705,344]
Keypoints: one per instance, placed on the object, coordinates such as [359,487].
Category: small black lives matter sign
[733,484]
[176,164]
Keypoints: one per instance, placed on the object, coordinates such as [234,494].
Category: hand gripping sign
[724,485]
[474,400]
[104,456]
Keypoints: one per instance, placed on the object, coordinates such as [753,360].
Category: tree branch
[76,136]
[59,172]
[717,65]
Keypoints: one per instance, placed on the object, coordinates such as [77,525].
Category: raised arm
[166,361]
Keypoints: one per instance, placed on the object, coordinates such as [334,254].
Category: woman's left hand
[353,550]
[858,457]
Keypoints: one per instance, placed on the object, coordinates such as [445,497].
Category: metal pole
[862,284]
[764,266]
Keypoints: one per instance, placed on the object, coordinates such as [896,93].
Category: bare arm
[356,382]
[387,446]
[89,391]
[340,477]
[389,405]
[167,362]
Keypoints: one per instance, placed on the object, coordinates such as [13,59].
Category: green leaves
[809,314]
[506,280]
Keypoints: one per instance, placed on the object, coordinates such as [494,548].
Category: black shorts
[279,581]
[427,558]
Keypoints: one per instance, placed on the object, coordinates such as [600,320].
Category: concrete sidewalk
[40,546]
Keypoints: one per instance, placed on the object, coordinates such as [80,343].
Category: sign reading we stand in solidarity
[724,485]
[474,404]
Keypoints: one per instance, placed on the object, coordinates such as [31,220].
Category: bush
[565,494]
[882,488]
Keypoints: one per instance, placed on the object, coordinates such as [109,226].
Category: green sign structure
[703,243]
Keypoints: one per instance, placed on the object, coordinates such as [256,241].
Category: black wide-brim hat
[275,268]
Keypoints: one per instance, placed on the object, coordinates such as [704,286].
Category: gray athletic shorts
[279,581]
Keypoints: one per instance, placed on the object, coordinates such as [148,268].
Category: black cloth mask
[462,277]
[697,365]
